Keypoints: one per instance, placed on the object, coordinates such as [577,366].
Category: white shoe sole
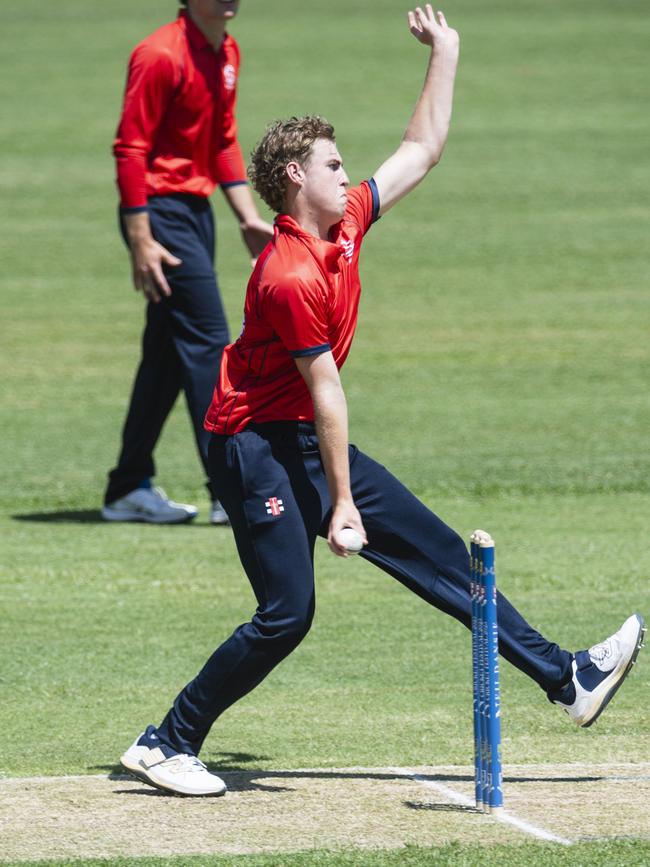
[604,693]
[115,515]
[136,770]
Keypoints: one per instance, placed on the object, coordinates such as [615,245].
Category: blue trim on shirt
[227,184]
[375,200]
[137,210]
[313,350]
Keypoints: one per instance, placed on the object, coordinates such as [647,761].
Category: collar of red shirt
[195,37]
[326,253]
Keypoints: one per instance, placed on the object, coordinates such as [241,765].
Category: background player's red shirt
[302,299]
[177,132]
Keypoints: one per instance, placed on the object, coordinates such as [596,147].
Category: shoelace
[183,764]
[602,651]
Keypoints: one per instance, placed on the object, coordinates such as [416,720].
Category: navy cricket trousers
[274,489]
[183,340]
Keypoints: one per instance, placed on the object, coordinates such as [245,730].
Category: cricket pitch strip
[289,811]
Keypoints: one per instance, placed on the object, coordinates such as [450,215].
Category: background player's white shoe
[599,672]
[218,514]
[151,505]
[175,773]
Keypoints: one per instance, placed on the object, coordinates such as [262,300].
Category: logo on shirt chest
[229,76]
[347,247]
[274,506]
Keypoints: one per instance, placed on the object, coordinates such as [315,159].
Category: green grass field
[500,368]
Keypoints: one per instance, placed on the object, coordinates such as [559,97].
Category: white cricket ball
[351,540]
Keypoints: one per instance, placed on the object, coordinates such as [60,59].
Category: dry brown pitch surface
[99,816]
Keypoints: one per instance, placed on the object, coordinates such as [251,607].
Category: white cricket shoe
[175,773]
[218,514]
[151,505]
[599,672]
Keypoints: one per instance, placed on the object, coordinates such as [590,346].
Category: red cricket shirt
[302,299]
[177,132]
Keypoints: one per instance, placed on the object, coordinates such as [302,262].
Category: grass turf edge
[595,853]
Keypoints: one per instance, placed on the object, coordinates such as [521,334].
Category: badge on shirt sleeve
[229,76]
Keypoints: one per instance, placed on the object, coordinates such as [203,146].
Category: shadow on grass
[440,808]
[90,516]
[67,516]
[243,779]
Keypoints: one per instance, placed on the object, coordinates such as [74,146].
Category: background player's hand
[431,28]
[344,515]
[147,259]
[256,234]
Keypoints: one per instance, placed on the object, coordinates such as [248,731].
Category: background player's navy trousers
[273,487]
[183,340]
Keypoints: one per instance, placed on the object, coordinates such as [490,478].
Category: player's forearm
[331,419]
[426,134]
[429,124]
[137,228]
[242,204]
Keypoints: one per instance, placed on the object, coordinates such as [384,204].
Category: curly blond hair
[284,141]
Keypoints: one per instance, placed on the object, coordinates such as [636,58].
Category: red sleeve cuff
[231,168]
[131,179]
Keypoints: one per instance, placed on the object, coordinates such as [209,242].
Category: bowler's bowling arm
[426,133]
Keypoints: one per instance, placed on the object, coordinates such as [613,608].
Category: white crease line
[504,816]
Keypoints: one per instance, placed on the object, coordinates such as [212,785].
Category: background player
[176,141]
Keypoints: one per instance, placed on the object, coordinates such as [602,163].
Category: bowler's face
[326,182]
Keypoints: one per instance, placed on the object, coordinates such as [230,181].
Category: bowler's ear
[295,173]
